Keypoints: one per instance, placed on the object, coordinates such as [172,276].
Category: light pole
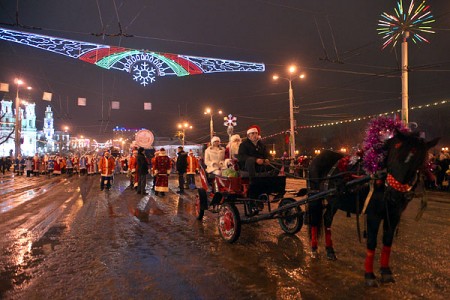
[183,128]
[404,116]
[18,122]
[292,76]
[209,112]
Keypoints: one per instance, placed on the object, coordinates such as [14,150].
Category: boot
[370,280]
[386,275]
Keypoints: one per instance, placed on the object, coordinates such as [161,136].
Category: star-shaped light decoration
[415,20]
[230,121]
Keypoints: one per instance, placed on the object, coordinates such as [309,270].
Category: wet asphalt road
[62,238]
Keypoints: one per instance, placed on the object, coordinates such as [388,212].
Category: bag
[198,181]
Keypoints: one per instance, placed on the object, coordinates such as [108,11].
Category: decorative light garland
[143,65]
[357,119]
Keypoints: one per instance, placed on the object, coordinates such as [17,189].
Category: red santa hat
[254,128]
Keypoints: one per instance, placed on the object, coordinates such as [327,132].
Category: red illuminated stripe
[187,65]
[96,55]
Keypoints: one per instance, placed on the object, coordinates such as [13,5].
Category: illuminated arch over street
[144,66]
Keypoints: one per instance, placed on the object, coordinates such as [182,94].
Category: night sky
[335,43]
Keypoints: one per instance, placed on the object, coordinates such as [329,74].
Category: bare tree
[4,137]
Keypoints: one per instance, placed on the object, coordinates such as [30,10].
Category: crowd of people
[250,156]
[439,166]
[58,164]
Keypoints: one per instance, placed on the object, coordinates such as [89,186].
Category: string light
[357,119]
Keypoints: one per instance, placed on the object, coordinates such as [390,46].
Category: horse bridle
[396,185]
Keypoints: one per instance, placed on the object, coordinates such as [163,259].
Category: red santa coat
[106,166]
[162,170]
[57,166]
[76,163]
[132,166]
[91,165]
[192,164]
[36,163]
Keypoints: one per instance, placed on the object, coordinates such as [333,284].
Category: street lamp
[18,122]
[292,76]
[273,152]
[182,132]
[209,112]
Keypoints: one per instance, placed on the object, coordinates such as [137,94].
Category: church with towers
[32,140]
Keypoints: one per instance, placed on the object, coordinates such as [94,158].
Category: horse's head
[406,153]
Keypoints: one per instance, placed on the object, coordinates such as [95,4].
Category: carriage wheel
[229,222]
[201,201]
[292,220]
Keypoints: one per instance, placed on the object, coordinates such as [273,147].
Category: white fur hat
[215,139]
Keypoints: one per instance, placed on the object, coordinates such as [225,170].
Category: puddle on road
[25,258]
[22,197]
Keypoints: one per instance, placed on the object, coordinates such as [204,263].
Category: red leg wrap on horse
[314,237]
[328,241]
[384,259]
[369,261]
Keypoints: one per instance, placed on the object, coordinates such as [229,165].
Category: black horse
[385,201]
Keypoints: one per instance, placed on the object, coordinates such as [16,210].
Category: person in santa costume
[153,160]
[57,166]
[95,162]
[76,164]
[162,170]
[132,169]
[232,148]
[253,155]
[90,165]
[106,168]
[36,163]
[192,169]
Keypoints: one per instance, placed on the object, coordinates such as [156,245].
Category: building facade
[28,128]
[32,140]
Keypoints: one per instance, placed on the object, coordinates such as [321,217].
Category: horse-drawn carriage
[383,199]
[255,197]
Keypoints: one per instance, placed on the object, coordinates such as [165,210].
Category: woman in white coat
[214,157]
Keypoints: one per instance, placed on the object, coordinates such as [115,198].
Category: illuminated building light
[143,65]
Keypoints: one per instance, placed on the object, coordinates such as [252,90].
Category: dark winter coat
[142,168]
[182,162]
[247,149]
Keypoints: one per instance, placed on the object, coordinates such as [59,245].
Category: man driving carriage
[253,155]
